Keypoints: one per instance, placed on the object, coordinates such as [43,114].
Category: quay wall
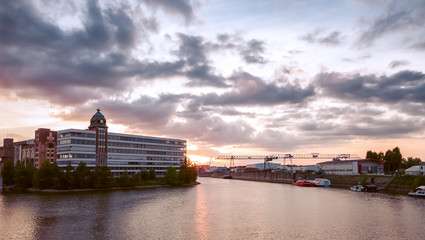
[339,181]
[346,181]
[275,177]
[386,183]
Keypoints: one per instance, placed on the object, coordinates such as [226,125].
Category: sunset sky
[252,77]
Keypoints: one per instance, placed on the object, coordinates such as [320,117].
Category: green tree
[410,162]
[152,174]
[48,176]
[23,175]
[144,175]
[375,155]
[125,180]
[393,160]
[102,177]
[67,178]
[187,173]
[83,176]
[8,173]
[171,176]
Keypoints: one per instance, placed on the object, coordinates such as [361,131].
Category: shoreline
[34,190]
[335,186]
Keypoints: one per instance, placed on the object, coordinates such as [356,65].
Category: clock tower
[98,124]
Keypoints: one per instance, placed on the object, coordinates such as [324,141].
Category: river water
[215,209]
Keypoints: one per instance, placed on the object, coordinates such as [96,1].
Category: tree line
[393,159]
[50,176]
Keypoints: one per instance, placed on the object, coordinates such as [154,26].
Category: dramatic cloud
[398,17]
[39,59]
[333,38]
[402,86]
[251,90]
[192,49]
[144,113]
[398,63]
[181,7]
[221,79]
[251,52]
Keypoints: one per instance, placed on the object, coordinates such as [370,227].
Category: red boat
[303,183]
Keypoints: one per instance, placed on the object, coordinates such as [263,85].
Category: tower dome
[98,120]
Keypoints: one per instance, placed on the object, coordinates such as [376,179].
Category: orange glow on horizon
[199,159]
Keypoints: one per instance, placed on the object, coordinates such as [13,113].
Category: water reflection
[18,220]
[216,209]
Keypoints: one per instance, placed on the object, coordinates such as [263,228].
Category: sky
[230,77]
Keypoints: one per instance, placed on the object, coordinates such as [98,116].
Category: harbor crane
[287,156]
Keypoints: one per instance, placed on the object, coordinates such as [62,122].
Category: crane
[269,158]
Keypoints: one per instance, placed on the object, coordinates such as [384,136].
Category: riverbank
[389,184]
[34,190]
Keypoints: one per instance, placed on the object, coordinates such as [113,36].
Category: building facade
[95,146]
[98,124]
[25,152]
[416,170]
[121,152]
[352,167]
[7,152]
[45,146]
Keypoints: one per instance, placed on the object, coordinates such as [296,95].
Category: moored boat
[303,183]
[321,182]
[419,192]
[357,188]
[366,188]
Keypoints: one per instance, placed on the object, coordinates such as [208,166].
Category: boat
[227,176]
[357,188]
[419,192]
[365,188]
[321,182]
[371,188]
[303,183]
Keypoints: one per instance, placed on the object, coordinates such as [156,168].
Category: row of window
[138,168]
[119,144]
[93,156]
[122,138]
[134,151]
[133,145]
[133,167]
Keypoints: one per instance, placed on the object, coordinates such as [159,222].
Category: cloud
[41,61]
[179,7]
[397,63]
[333,38]
[251,52]
[142,114]
[419,45]
[398,17]
[402,86]
[193,51]
[251,90]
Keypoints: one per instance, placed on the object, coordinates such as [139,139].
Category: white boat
[420,191]
[357,188]
[321,182]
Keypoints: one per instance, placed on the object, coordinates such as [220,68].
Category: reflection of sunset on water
[202,223]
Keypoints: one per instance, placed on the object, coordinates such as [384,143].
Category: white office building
[121,152]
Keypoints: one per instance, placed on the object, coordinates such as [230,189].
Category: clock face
[101,120]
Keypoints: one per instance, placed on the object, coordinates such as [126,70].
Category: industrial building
[262,166]
[96,146]
[416,170]
[352,167]
[34,151]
